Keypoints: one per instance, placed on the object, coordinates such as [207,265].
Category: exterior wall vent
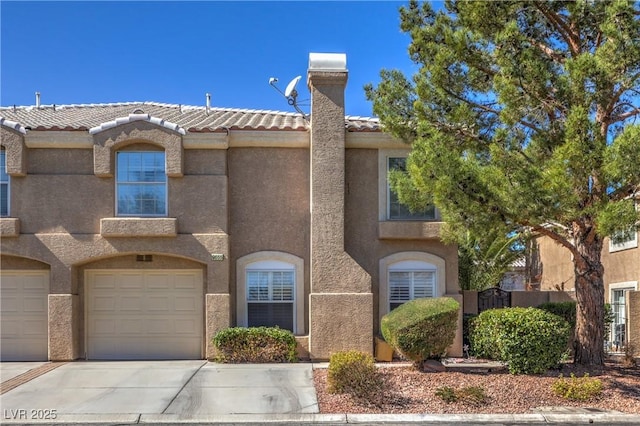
[144,258]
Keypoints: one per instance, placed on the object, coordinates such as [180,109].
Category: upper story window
[4,185]
[395,209]
[141,183]
[626,239]
[623,240]
[410,280]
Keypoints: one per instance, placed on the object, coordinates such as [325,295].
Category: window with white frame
[271,295]
[4,185]
[395,209]
[619,329]
[410,280]
[141,183]
[623,240]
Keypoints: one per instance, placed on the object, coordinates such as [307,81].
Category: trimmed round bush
[255,345]
[355,373]
[529,340]
[422,328]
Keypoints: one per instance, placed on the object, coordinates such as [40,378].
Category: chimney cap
[328,61]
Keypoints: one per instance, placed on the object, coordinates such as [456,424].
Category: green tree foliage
[484,259]
[521,115]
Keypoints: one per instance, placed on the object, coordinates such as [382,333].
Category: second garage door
[23,315]
[132,314]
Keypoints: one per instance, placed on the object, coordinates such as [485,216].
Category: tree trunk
[589,284]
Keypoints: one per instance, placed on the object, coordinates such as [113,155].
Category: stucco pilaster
[341,302]
[63,327]
[218,317]
[633,324]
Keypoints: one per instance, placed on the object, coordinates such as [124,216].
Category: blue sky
[175,52]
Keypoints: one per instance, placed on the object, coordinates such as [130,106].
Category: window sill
[409,230]
[139,227]
[9,227]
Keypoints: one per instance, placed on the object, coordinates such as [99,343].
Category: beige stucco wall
[361,227]
[269,205]
[621,266]
[557,266]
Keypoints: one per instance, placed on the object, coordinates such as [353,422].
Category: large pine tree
[523,114]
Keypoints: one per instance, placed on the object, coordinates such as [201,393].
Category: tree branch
[624,116]
[541,229]
[563,29]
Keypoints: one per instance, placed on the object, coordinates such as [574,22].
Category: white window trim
[8,186]
[166,182]
[624,245]
[383,183]
[623,285]
[386,264]
[627,244]
[270,260]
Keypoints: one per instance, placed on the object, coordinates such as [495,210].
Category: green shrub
[422,328]
[255,345]
[471,395]
[530,340]
[567,311]
[577,388]
[355,373]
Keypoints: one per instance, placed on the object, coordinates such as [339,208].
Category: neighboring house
[515,278]
[621,261]
[139,230]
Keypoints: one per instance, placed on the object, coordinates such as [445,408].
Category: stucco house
[553,271]
[139,230]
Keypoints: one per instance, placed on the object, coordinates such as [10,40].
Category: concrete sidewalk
[199,392]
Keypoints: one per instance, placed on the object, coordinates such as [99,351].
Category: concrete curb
[337,419]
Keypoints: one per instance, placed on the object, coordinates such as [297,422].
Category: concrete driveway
[129,390]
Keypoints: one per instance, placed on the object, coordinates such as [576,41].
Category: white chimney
[208,96]
[37,99]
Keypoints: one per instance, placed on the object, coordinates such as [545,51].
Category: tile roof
[189,118]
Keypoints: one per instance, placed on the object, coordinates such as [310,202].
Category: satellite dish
[291,87]
[290,93]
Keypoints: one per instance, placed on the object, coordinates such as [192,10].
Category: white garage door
[136,314]
[23,315]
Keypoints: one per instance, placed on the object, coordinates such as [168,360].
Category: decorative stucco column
[340,301]
[63,327]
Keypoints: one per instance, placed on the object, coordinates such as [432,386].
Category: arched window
[271,291]
[4,184]
[410,279]
[410,275]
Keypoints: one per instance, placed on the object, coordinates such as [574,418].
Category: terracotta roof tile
[191,118]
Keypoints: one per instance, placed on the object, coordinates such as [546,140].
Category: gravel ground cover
[408,390]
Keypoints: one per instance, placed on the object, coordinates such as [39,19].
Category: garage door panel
[23,315]
[130,303]
[159,303]
[36,304]
[152,316]
[157,281]
[10,304]
[185,303]
[103,327]
[186,327]
[104,303]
